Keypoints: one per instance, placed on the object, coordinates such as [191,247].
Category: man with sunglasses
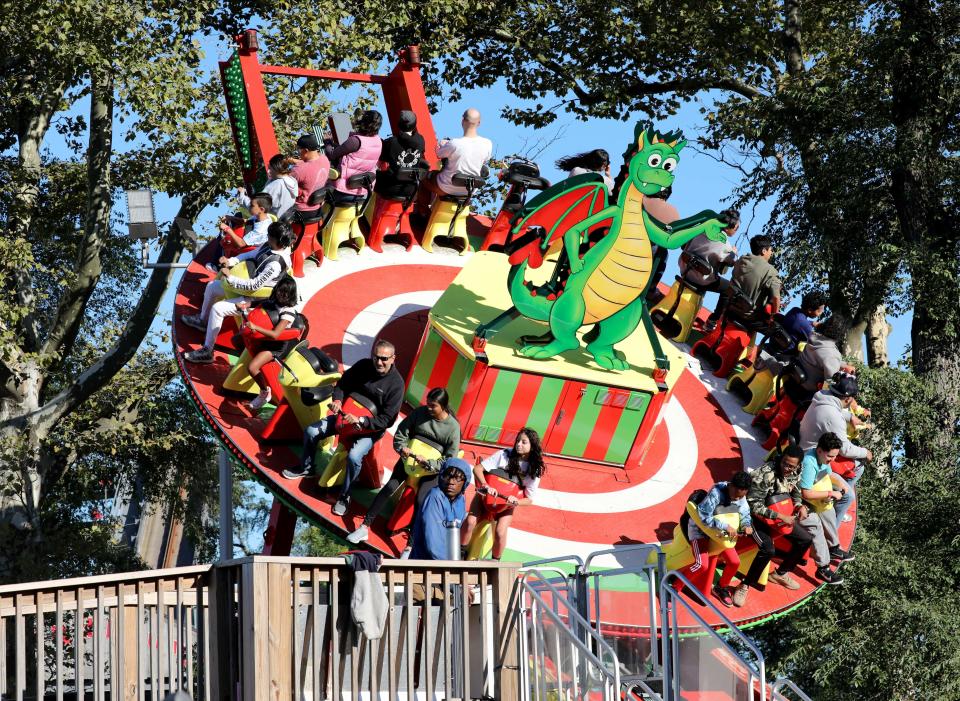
[375,379]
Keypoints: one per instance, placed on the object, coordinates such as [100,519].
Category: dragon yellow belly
[624,271]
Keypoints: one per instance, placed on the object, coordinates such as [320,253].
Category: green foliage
[898,612]
[311,541]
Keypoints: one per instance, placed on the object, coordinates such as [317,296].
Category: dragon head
[651,168]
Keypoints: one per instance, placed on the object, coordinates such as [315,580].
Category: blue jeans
[324,428]
[844,502]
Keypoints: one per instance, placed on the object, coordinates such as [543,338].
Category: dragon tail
[531,305]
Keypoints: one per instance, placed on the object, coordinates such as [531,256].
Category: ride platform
[584,505]
[580,409]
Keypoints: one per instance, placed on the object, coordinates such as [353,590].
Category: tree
[128,89]
[890,632]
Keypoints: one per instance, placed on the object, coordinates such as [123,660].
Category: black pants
[800,541]
[397,478]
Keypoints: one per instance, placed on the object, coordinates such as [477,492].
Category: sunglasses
[383,358]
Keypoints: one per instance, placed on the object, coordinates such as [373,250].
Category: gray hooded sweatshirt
[820,359]
[827,415]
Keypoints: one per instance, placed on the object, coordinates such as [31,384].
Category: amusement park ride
[536,318]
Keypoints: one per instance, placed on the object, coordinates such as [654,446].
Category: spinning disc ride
[630,423]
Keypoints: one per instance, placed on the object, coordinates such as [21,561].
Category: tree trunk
[853,346]
[877,332]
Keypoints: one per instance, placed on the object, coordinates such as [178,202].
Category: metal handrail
[668,592]
[585,566]
[784,683]
[539,605]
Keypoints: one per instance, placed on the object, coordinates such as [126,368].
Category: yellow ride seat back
[439,225]
[759,383]
[343,227]
[481,544]
[688,306]
[298,373]
[729,515]
[422,448]
[242,271]
[823,484]
[239,379]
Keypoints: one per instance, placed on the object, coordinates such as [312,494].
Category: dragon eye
[669,164]
[654,160]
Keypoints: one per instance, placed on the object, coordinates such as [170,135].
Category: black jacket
[399,151]
[386,391]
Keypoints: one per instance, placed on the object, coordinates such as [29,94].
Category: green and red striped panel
[574,419]
[439,365]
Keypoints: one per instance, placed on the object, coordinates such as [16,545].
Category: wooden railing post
[221,644]
[507,678]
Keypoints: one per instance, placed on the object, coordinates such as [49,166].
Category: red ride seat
[307,225]
[390,218]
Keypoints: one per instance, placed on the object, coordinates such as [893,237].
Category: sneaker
[295,473]
[358,536]
[256,404]
[340,508]
[194,321]
[841,555]
[405,555]
[201,355]
[212,268]
[784,580]
[847,518]
[723,593]
[740,595]
[710,325]
[828,576]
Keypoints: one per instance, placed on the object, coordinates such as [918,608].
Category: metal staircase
[567,651]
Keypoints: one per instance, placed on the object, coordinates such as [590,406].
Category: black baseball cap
[844,385]
[407,120]
[308,142]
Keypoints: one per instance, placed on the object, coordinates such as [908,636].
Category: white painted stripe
[673,476]
[359,335]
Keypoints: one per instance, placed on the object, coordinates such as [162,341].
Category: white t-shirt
[257,236]
[607,180]
[501,461]
[467,155]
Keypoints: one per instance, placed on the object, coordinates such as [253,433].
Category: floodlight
[140,218]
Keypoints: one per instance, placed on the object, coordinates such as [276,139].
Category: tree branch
[73,302]
[638,89]
[100,373]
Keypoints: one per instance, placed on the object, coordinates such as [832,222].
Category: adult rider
[375,379]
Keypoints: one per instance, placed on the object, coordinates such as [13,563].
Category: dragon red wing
[549,215]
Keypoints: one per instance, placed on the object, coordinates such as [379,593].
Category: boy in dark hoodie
[402,150]
[443,508]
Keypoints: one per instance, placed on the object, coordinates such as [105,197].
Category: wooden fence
[262,628]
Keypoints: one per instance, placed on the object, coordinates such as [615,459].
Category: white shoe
[256,404]
[360,535]
[405,555]
[847,518]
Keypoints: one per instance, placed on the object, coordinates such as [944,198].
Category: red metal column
[278,538]
[403,90]
[263,133]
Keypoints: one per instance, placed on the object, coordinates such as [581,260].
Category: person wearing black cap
[830,411]
[310,171]
[402,150]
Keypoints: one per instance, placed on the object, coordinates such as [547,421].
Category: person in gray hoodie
[821,359]
[830,411]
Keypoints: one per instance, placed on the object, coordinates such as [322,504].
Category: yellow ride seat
[823,483]
[441,216]
[685,303]
[678,553]
[758,383]
[343,227]
[242,270]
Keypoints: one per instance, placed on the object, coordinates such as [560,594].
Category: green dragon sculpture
[608,284]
